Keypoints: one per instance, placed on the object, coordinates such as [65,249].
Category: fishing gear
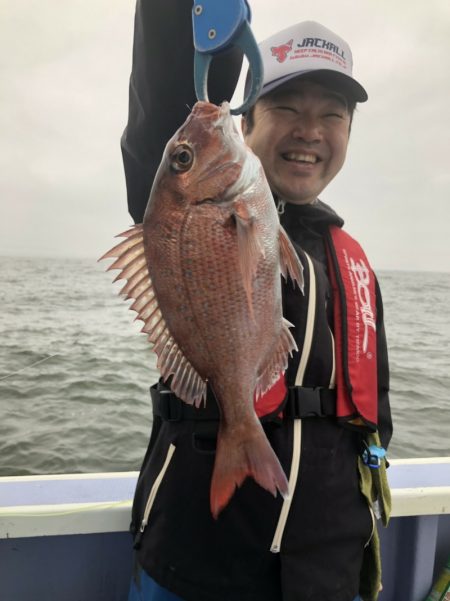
[217,26]
[373,455]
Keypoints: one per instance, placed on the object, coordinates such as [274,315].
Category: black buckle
[305,402]
[170,408]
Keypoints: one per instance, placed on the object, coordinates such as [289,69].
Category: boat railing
[69,533]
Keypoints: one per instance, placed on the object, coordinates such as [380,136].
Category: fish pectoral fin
[290,264]
[278,362]
[130,259]
[242,211]
[250,250]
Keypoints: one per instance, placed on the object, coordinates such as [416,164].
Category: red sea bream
[204,272]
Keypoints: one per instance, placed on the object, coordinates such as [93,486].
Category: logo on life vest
[281,52]
[362,277]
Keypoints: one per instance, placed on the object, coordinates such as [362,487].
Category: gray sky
[64,87]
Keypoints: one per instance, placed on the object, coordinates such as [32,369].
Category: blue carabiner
[217,25]
[373,455]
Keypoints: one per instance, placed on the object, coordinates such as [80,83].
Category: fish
[203,270]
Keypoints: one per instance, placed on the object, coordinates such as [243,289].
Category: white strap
[310,319]
[297,434]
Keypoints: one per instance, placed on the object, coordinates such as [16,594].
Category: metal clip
[217,25]
[280,206]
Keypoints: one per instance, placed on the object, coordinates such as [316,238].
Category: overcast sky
[63,94]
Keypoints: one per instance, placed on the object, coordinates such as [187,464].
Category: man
[309,547]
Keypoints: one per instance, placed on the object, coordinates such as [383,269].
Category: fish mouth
[234,155]
[211,201]
[206,110]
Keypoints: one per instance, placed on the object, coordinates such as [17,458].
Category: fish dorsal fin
[130,259]
[249,248]
[290,264]
[278,361]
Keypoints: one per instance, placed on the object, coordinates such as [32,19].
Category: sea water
[75,372]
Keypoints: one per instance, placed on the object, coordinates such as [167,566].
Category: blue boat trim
[56,490]
[410,473]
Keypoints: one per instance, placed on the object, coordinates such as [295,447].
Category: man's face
[300,135]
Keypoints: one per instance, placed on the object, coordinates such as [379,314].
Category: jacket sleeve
[384,408]
[161,92]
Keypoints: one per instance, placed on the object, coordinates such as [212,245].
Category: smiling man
[301,138]
[300,129]
[328,416]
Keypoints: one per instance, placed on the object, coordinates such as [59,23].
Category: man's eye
[286,108]
[335,115]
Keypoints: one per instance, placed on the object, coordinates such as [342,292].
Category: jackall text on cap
[307,48]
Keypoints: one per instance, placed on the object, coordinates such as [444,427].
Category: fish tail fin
[235,461]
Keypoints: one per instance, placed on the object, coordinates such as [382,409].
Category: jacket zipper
[154,489]
[297,434]
[280,206]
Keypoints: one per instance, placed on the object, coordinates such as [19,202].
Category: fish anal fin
[186,382]
[278,361]
[290,264]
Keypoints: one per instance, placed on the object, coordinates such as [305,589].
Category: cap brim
[328,77]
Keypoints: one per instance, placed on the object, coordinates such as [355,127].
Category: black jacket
[178,542]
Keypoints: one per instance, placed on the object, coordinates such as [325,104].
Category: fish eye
[182,158]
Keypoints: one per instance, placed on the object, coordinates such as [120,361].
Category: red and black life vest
[354,304]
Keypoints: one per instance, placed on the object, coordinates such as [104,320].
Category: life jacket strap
[300,402]
[310,402]
[170,408]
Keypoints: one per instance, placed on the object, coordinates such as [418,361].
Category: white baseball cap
[309,48]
